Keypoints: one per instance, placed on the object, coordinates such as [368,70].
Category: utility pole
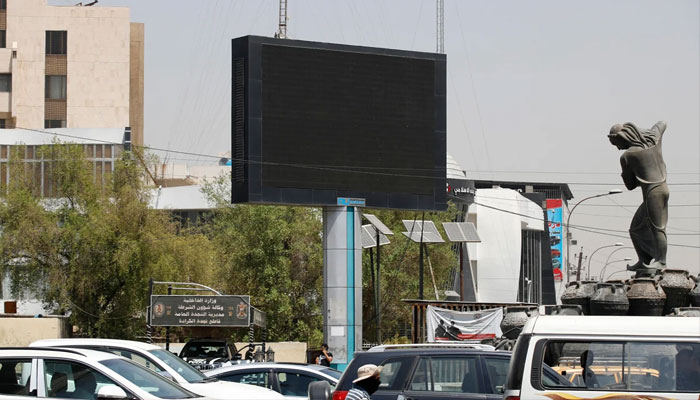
[440,28]
[578,270]
[282,25]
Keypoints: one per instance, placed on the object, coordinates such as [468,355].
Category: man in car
[367,382]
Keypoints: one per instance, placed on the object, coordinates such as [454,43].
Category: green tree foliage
[274,254]
[93,248]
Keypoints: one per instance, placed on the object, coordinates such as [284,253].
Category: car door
[294,384]
[251,376]
[495,371]
[446,377]
[396,371]
[70,379]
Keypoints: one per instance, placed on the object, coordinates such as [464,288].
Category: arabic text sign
[179,310]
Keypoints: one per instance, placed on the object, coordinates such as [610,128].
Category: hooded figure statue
[643,165]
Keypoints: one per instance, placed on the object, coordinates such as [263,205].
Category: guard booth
[208,312]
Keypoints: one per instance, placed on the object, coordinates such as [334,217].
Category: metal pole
[377,297]
[420,262]
[461,271]
[568,229]
[167,328]
[578,270]
[149,335]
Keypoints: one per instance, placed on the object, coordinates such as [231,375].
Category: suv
[209,353]
[80,374]
[440,371]
[169,365]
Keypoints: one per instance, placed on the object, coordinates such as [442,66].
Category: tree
[274,254]
[93,248]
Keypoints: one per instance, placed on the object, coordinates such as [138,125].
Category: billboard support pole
[149,335]
[377,295]
[167,328]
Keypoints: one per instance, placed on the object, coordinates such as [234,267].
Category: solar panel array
[461,232]
[428,237]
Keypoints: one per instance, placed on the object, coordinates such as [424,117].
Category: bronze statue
[643,165]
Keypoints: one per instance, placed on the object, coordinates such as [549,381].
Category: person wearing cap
[367,382]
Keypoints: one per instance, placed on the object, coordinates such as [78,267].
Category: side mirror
[111,392]
[319,390]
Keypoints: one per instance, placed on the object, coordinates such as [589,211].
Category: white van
[607,357]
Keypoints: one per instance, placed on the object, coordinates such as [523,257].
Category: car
[607,357]
[80,374]
[434,371]
[167,364]
[289,379]
[209,353]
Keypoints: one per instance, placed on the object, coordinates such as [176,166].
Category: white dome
[454,170]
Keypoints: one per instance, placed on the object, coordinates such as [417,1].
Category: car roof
[207,340]
[299,366]
[607,325]
[95,342]
[36,351]
[429,351]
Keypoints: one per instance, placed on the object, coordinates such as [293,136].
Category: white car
[291,380]
[80,374]
[168,364]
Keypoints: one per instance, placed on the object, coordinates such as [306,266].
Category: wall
[23,331]
[98,56]
[497,257]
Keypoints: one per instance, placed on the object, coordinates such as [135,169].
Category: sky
[533,88]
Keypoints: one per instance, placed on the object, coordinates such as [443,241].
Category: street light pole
[568,232]
[610,256]
[618,244]
[617,272]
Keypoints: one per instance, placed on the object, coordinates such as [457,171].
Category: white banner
[471,326]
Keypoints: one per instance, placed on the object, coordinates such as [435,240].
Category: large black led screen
[313,122]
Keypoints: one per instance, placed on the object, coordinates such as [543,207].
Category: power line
[600,231]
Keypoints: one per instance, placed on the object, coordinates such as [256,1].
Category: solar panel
[429,229]
[383,240]
[368,239]
[378,224]
[428,237]
[461,232]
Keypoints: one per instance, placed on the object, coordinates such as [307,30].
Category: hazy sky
[533,87]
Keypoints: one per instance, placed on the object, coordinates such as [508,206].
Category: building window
[5,82]
[56,42]
[3,4]
[3,123]
[3,44]
[54,123]
[56,87]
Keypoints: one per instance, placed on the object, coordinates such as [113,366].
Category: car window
[625,366]
[139,359]
[497,369]
[422,380]
[185,370]
[455,374]
[15,376]
[395,373]
[205,350]
[67,379]
[294,383]
[258,378]
[146,379]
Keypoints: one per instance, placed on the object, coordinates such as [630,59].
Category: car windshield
[189,373]
[147,380]
[332,372]
[204,350]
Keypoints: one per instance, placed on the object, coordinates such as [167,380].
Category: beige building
[70,67]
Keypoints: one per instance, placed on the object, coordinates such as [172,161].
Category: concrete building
[70,67]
